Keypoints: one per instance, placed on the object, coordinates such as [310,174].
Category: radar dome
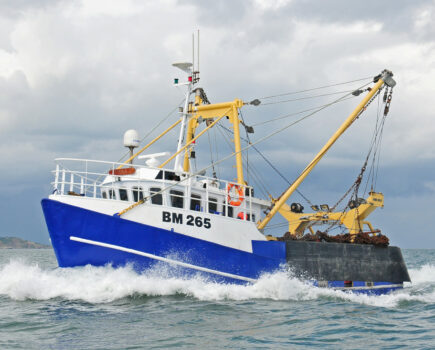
[131,138]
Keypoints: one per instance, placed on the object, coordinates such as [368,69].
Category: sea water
[45,307]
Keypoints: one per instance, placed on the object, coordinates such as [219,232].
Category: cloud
[75,74]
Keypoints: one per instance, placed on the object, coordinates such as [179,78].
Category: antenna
[195,70]
[193,53]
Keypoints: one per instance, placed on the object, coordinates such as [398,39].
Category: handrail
[141,166]
[88,184]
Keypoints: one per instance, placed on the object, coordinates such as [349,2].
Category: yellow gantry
[199,112]
[213,112]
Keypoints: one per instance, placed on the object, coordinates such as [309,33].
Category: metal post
[62,187]
[177,166]
[56,178]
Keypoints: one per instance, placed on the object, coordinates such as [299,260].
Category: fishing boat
[154,210]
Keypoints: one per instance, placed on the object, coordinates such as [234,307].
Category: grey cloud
[92,78]
[17,7]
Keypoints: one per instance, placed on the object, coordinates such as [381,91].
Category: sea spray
[20,280]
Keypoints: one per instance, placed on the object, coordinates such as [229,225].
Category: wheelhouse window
[111,194]
[212,205]
[169,175]
[104,194]
[228,211]
[123,194]
[137,193]
[177,198]
[251,218]
[156,198]
[195,202]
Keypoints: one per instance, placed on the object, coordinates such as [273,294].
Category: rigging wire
[307,97]
[248,141]
[149,133]
[211,155]
[296,113]
[373,140]
[299,120]
[379,154]
[264,138]
[376,145]
[313,89]
[154,128]
[255,173]
[274,168]
[355,186]
[216,150]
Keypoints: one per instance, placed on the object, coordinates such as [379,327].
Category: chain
[387,101]
[356,184]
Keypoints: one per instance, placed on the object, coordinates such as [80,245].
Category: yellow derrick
[384,78]
[353,219]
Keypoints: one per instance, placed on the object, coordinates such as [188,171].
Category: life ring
[122,171]
[239,191]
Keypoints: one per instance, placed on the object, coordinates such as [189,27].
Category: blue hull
[65,221]
[81,237]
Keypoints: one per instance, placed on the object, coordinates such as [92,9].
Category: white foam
[20,281]
[423,275]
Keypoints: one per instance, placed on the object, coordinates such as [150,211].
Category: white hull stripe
[155,257]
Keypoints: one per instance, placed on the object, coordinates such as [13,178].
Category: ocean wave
[22,281]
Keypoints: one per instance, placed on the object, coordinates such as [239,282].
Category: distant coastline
[18,243]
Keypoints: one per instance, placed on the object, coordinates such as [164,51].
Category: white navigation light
[184,66]
[131,139]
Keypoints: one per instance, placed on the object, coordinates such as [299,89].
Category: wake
[23,281]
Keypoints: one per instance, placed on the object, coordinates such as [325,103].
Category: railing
[91,178]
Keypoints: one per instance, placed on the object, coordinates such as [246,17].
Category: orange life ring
[122,171]
[239,191]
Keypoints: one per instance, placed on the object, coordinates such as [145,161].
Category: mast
[384,78]
[184,116]
[193,78]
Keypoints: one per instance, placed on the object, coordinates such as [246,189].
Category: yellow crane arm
[386,77]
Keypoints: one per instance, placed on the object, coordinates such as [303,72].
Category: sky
[74,75]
